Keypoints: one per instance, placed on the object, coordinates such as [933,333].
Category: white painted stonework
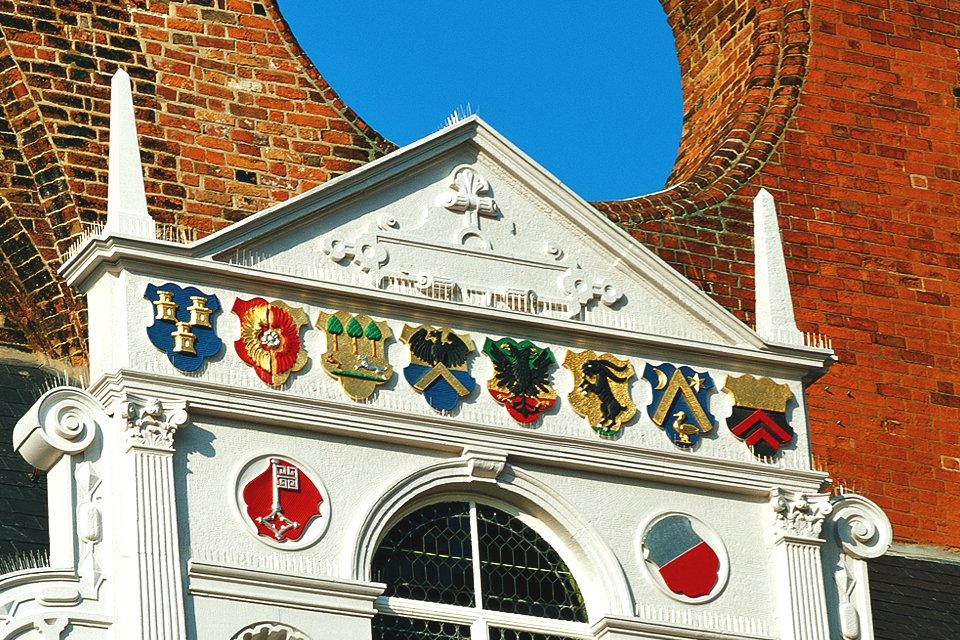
[459,230]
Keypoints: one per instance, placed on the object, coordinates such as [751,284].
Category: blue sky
[590,90]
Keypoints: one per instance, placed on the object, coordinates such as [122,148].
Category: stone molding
[345,597]
[612,627]
[370,421]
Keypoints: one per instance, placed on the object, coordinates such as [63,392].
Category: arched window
[462,570]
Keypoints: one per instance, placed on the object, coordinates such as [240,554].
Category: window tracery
[465,570]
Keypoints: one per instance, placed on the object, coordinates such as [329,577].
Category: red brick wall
[232,118]
[865,165]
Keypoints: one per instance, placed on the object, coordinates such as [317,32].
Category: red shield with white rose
[282,501]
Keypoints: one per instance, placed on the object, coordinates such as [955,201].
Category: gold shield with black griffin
[601,392]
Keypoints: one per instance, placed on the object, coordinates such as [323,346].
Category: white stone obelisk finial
[126,198]
[775,321]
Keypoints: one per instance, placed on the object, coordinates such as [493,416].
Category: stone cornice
[120,254]
[618,628]
[282,589]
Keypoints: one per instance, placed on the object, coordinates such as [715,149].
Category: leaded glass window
[461,570]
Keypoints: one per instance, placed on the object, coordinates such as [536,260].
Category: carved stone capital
[149,424]
[799,515]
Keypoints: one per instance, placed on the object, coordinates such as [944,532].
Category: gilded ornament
[356,352]
[270,338]
[601,391]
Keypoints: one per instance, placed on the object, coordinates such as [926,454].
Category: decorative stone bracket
[64,420]
[862,531]
[485,465]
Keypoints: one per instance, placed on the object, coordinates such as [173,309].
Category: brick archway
[742,67]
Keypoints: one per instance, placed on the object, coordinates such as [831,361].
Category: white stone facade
[148,466]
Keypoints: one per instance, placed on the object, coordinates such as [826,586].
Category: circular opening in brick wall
[591,91]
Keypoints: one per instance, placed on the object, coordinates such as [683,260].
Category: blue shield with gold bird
[680,405]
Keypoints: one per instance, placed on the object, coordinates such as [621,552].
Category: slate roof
[915,599]
[23,503]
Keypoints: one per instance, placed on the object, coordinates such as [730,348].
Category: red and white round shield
[684,556]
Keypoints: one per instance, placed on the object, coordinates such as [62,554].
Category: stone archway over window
[270,631]
[466,570]
[477,474]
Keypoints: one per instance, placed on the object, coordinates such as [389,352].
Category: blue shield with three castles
[183,324]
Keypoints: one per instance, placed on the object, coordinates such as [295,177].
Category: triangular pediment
[464,217]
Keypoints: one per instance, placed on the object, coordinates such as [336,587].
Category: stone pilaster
[153,547]
[802,603]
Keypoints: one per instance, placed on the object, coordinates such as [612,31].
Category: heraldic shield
[355,354]
[438,365]
[679,393]
[521,377]
[685,562]
[183,324]
[760,413]
[601,392]
[270,338]
[281,501]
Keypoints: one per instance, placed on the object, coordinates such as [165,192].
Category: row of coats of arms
[270,343]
